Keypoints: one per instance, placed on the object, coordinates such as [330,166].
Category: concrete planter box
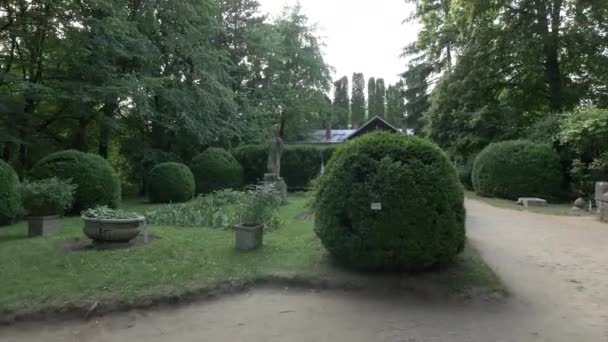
[112,230]
[42,225]
[248,237]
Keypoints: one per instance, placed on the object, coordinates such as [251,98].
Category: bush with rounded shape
[96,182]
[10,201]
[216,169]
[517,168]
[390,202]
[300,164]
[254,160]
[170,183]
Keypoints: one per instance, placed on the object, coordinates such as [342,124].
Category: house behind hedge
[330,136]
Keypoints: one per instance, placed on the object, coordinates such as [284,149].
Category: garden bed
[40,280]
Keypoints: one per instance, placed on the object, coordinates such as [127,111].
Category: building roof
[342,135]
[337,136]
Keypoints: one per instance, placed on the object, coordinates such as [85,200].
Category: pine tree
[380,98]
[358,100]
[371,98]
[415,93]
[395,104]
[341,107]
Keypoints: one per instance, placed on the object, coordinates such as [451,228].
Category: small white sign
[376,206]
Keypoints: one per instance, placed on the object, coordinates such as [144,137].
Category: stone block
[531,202]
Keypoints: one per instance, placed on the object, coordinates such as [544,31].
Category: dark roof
[373,124]
[337,136]
[342,135]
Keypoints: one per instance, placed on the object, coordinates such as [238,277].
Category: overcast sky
[360,35]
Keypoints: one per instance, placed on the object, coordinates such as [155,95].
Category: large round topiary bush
[216,169]
[390,202]
[97,183]
[170,183]
[10,201]
[517,168]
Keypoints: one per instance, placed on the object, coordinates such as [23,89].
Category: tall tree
[520,61]
[358,100]
[371,97]
[395,104]
[416,95]
[380,101]
[294,77]
[341,104]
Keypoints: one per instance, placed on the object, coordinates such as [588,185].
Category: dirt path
[555,267]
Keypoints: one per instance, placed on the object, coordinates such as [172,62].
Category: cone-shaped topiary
[97,183]
[10,202]
[390,202]
[216,169]
[170,183]
[518,168]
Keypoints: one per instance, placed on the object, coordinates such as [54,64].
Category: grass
[561,209]
[37,273]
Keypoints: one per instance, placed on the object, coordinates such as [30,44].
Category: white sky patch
[360,35]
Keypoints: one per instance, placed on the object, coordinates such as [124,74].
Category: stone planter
[248,237]
[42,225]
[112,230]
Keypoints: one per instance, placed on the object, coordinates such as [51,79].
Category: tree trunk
[80,136]
[104,128]
[553,76]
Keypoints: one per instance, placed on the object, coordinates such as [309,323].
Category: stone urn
[42,225]
[248,237]
[112,230]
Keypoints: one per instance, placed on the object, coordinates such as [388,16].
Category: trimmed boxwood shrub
[517,168]
[216,169]
[465,171]
[97,183]
[10,201]
[421,222]
[300,164]
[327,152]
[253,159]
[170,183]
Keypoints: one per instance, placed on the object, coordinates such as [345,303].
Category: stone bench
[531,202]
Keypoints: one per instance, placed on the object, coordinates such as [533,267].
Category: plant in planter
[45,201]
[258,209]
[103,224]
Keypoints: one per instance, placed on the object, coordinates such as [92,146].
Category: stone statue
[273,178]
[274,156]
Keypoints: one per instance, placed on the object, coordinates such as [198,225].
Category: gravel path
[556,269]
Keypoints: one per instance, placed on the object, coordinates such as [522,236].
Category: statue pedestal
[278,184]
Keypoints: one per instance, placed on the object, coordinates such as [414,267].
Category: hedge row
[300,164]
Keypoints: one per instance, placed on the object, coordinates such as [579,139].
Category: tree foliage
[123,78]
[501,66]
[371,97]
[380,99]
[357,102]
[341,104]
[395,104]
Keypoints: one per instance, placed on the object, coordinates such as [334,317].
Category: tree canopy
[496,68]
[127,78]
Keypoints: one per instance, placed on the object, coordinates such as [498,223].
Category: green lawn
[563,209]
[38,274]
